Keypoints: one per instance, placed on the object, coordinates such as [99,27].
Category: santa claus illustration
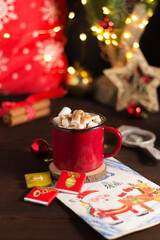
[107,207]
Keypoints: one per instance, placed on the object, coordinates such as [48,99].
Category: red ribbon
[30,112]
[54,93]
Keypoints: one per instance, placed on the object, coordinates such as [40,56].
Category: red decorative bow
[54,93]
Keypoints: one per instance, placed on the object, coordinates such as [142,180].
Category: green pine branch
[120,9]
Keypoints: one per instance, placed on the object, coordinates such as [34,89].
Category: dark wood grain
[20,220]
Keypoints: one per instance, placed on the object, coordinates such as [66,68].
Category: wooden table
[20,220]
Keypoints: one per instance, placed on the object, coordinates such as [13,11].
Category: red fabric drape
[30,24]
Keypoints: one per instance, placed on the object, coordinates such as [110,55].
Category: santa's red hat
[85,193]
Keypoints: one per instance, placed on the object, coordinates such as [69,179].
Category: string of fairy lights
[107,35]
[46,56]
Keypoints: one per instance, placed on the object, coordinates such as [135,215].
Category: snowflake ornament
[7,12]
[49,54]
[3,63]
[50,12]
[136,82]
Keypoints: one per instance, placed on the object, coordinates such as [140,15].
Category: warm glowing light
[57,29]
[105,10]
[138,110]
[136,45]
[85,80]
[47,57]
[141,26]
[134,18]
[107,42]
[84,2]
[127,35]
[74,80]
[84,74]
[6,35]
[83,36]
[128,20]
[113,36]
[106,35]
[150,12]
[35,34]
[71,70]
[94,28]
[99,30]
[71,15]
[145,22]
[115,43]
[100,37]
[129,55]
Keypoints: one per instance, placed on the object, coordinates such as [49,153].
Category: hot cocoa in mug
[78,140]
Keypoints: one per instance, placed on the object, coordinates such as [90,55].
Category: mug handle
[119,141]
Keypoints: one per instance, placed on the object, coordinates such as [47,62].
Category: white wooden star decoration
[137,82]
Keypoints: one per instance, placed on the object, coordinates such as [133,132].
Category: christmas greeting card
[70,182]
[41,195]
[121,203]
[38,179]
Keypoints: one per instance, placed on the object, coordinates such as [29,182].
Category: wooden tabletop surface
[20,220]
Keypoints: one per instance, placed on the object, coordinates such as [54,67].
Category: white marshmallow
[81,126]
[65,123]
[92,124]
[97,119]
[74,122]
[56,120]
[65,111]
[84,124]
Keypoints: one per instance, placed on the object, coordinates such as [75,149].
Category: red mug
[81,150]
